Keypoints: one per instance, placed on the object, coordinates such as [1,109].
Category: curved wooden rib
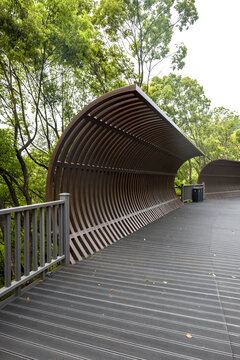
[221,178]
[118,158]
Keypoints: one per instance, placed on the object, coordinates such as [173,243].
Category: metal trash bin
[197,194]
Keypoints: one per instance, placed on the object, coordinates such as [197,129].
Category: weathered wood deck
[139,298]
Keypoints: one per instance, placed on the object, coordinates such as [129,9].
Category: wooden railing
[35,237]
[187,191]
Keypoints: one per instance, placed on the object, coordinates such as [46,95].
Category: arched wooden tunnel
[221,178]
[118,159]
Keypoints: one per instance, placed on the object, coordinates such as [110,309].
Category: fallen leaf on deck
[146,280]
[111,290]
[99,284]
[234,277]
[40,280]
[214,275]
[189,336]
[165,282]
[144,239]
[214,255]
[28,299]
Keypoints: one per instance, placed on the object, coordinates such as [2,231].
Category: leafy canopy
[145,29]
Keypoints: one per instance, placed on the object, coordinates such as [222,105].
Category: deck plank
[138,298]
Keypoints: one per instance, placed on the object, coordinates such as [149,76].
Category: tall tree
[108,67]
[215,132]
[184,101]
[53,59]
[146,28]
[222,135]
[37,37]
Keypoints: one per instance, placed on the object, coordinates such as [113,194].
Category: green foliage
[222,135]
[145,29]
[108,67]
[55,29]
[183,99]
[188,173]
[10,171]
[53,59]
[215,132]
[56,55]
[7,153]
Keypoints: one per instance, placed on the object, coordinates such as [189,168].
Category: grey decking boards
[115,305]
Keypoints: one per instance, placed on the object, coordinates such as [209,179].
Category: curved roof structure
[221,178]
[118,159]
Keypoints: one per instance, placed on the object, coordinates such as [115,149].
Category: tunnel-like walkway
[221,178]
[118,159]
[169,291]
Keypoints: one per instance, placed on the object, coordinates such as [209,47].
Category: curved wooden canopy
[221,178]
[118,159]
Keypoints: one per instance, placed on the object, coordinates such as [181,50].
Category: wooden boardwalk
[169,291]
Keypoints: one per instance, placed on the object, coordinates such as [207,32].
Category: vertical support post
[60,239]
[26,244]
[42,237]
[42,241]
[49,255]
[7,247]
[66,249]
[203,190]
[54,232]
[18,251]
[182,192]
[17,246]
[35,239]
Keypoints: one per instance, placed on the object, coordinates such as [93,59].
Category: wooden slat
[26,244]
[17,246]
[35,238]
[221,178]
[150,296]
[42,237]
[60,230]
[49,234]
[55,209]
[7,248]
[118,159]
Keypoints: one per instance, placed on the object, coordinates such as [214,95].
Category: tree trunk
[190,171]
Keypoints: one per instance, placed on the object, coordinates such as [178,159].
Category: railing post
[66,249]
[203,190]
[7,247]
[182,192]
[36,226]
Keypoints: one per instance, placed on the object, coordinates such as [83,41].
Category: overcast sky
[213,58]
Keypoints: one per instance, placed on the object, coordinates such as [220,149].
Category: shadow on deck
[169,291]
